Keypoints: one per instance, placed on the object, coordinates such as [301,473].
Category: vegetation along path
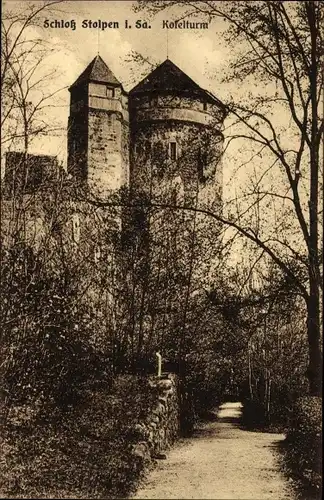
[221,461]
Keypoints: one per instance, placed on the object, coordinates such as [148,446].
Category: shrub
[303,444]
[81,451]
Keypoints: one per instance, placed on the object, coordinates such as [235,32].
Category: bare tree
[24,76]
[279,44]
[26,101]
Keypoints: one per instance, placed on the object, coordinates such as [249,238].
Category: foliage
[303,447]
[69,422]
[48,348]
[278,209]
[84,451]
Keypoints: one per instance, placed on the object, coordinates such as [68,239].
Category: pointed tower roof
[168,77]
[97,71]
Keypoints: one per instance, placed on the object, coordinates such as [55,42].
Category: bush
[303,444]
[83,451]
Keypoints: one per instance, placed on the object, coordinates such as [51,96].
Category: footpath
[220,462]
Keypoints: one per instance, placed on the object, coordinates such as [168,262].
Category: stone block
[159,409]
[154,419]
[142,450]
[165,384]
[163,400]
[151,436]
[161,434]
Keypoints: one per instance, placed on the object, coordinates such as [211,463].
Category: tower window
[110,92]
[205,106]
[173,151]
[202,164]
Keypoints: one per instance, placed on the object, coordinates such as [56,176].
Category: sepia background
[186,301]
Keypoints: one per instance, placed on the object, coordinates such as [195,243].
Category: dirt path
[221,462]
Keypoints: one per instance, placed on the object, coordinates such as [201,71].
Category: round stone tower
[175,133]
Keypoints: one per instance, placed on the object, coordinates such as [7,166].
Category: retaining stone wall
[161,428]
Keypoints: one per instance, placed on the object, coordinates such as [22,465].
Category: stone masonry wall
[161,428]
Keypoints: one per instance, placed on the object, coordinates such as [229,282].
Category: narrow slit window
[202,165]
[173,151]
[205,106]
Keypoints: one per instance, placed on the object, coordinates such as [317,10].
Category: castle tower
[176,133]
[98,153]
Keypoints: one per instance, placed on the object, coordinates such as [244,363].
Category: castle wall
[27,173]
[106,170]
[98,137]
[108,154]
[78,144]
[162,427]
[25,223]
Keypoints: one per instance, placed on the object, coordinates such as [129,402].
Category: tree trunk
[314,371]
[250,373]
